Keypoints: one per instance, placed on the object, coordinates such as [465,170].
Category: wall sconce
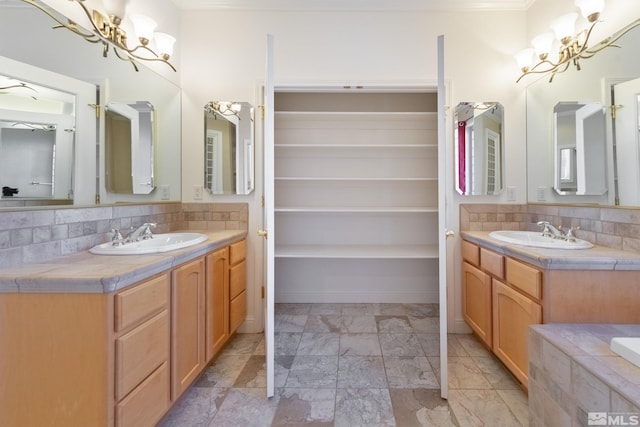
[108,31]
[224,108]
[573,46]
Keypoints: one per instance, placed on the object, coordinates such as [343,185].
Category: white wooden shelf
[356,200]
[358,251]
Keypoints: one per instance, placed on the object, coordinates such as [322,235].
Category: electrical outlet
[511,194]
[197,192]
[542,194]
[165,193]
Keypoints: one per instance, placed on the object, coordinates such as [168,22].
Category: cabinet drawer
[237,279]
[471,253]
[138,302]
[492,262]
[237,252]
[146,405]
[524,277]
[140,352]
[237,311]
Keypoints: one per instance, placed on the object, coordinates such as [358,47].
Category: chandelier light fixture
[573,46]
[225,108]
[107,29]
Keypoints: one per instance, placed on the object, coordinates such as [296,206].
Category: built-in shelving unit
[356,199]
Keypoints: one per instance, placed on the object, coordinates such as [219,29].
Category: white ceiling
[356,5]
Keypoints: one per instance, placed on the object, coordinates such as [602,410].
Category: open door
[268,231]
[627,138]
[442,220]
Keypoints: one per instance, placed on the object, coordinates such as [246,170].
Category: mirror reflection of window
[479,148]
[228,147]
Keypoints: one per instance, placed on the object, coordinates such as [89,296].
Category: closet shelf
[358,251]
[356,209]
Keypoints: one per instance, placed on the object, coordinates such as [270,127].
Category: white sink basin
[160,243]
[536,239]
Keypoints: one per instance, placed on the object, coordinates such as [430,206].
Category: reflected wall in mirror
[580,148]
[129,147]
[66,54]
[229,147]
[479,148]
[596,84]
[36,141]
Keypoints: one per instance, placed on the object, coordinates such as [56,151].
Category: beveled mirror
[580,148]
[129,147]
[479,148]
[229,147]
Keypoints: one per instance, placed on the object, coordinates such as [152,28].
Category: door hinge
[263,201]
[263,292]
[261,107]
[97,108]
[614,108]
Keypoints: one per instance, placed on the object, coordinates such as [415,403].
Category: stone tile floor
[353,365]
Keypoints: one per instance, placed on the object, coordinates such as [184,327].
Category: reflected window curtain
[462,156]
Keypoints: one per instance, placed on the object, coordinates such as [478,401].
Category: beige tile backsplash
[46,233]
[617,228]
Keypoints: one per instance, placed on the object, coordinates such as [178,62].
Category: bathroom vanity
[115,340]
[506,288]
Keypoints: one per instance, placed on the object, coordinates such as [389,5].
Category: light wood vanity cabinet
[142,328]
[217,301]
[117,359]
[237,284]
[188,325]
[500,300]
[476,301]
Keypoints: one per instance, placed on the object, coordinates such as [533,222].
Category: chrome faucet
[143,232]
[557,233]
[116,238]
[549,230]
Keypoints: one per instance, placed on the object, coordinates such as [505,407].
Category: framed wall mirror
[580,148]
[604,156]
[130,147]
[479,148]
[229,147]
[37,127]
[66,55]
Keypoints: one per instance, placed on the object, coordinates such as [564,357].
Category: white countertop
[85,272]
[596,258]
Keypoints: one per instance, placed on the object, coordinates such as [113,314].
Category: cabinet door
[476,301]
[188,335]
[217,301]
[512,314]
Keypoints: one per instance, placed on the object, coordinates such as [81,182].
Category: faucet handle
[116,238]
[146,233]
[570,235]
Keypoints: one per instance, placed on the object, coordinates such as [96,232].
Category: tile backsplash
[617,228]
[38,235]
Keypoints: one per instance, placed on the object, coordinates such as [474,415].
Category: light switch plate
[197,192]
[165,193]
[511,194]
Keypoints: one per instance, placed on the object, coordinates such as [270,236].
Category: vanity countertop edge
[85,272]
[596,258]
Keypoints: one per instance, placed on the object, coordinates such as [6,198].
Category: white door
[268,229]
[627,139]
[442,220]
